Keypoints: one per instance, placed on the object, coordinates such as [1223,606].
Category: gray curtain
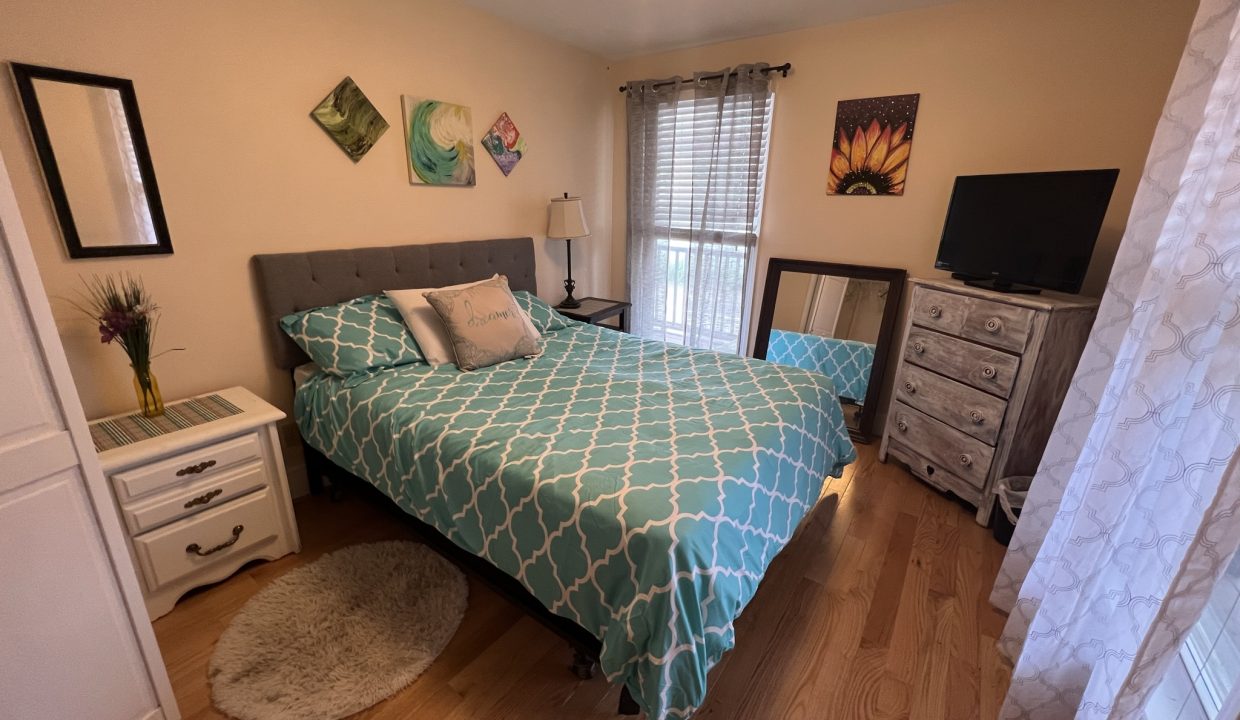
[697,165]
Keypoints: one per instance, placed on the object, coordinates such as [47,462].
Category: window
[701,171]
[1205,683]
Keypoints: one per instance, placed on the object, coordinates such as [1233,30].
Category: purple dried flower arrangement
[127,316]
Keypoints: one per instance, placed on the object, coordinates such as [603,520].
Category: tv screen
[1035,229]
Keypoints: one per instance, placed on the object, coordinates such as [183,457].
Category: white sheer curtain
[1135,509]
[697,167]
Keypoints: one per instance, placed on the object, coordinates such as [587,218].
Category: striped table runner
[116,432]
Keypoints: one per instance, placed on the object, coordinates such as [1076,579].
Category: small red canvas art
[871,145]
[505,144]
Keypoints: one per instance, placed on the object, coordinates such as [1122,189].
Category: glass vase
[146,387]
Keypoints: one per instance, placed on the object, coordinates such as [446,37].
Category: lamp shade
[566,218]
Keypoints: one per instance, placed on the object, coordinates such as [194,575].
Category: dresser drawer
[184,547]
[201,495]
[939,310]
[964,408]
[943,445]
[933,473]
[201,463]
[985,368]
[987,321]
[998,324]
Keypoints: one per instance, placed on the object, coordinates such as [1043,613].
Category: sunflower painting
[870,149]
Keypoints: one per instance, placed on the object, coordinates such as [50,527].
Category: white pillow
[427,327]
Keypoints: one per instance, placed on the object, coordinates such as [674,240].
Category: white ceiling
[625,28]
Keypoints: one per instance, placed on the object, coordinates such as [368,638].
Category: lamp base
[569,302]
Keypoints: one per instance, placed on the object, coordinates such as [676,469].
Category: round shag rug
[334,637]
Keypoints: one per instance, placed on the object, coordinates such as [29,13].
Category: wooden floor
[877,612]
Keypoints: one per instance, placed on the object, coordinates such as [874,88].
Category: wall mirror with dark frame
[91,144]
[836,319]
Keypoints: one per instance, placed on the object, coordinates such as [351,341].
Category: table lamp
[566,219]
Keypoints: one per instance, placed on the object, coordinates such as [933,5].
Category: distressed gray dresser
[979,384]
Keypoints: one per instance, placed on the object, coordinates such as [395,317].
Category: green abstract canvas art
[439,140]
[349,118]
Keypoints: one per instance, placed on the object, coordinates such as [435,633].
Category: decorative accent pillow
[485,323]
[543,316]
[358,336]
[425,324]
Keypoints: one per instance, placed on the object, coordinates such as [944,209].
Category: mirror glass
[92,147]
[830,324]
[95,154]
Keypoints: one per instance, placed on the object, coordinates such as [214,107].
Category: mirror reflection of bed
[834,319]
[824,322]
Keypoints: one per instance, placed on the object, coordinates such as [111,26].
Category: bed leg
[583,665]
[316,468]
[628,706]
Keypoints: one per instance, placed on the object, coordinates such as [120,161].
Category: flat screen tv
[1024,231]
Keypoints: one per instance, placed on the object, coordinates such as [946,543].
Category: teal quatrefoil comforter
[636,488]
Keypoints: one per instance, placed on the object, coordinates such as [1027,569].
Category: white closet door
[75,641]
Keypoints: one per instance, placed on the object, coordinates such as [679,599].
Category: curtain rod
[781,69]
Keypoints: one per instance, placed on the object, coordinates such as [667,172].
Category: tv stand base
[997,285]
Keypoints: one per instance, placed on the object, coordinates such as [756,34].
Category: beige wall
[1005,86]
[226,87]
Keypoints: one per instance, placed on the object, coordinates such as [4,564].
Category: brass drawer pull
[935,311]
[976,417]
[197,549]
[901,426]
[966,459]
[195,469]
[988,371]
[909,387]
[919,348]
[994,325]
[204,498]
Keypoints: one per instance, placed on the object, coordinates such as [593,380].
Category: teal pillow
[357,336]
[544,317]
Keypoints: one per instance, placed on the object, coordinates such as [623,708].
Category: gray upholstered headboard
[289,282]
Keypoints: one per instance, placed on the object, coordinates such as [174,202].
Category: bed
[627,491]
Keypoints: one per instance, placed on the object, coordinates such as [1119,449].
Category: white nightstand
[199,502]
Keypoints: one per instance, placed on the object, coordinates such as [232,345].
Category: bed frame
[290,282]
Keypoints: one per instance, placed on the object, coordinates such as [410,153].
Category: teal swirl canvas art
[439,140]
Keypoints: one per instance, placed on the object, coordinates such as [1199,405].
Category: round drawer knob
[988,371]
[976,417]
[909,387]
[902,426]
[994,325]
[935,311]
[965,459]
[919,348]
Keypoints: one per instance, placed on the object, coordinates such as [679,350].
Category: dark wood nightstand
[594,310]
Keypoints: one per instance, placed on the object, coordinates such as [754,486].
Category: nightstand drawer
[202,495]
[189,545]
[943,445]
[968,410]
[186,467]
